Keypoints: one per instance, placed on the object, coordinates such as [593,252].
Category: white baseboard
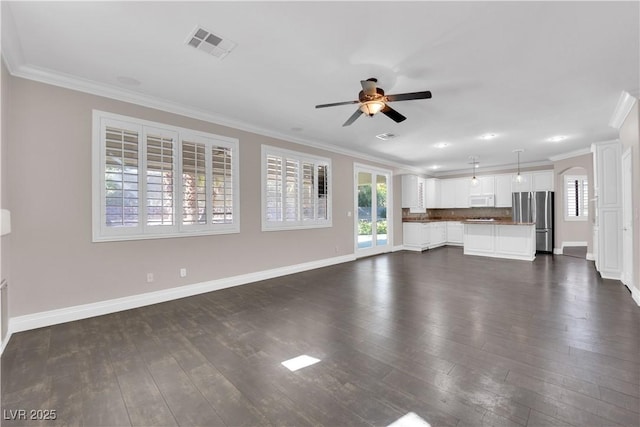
[84,311]
[398,248]
[560,250]
[635,294]
[590,256]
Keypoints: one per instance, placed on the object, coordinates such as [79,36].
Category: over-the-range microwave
[482,200]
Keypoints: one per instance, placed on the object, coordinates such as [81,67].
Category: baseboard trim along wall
[635,294]
[69,314]
[560,250]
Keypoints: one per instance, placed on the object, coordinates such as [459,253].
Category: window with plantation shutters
[153,180]
[296,190]
[576,197]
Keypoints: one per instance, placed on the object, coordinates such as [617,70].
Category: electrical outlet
[149,277]
[183,272]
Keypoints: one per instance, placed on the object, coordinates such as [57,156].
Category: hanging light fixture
[474,180]
[519,178]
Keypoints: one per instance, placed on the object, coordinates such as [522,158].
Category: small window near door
[576,198]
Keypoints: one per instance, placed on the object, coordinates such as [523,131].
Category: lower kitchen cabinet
[455,231]
[418,236]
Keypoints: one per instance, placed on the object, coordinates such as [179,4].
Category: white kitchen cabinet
[416,236]
[433,193]
[447,193]
[485,185]
[503,190]
[608,215]
[517,241]
[455,231]
[438,234]
[542,181]
[413,193]
[461,190]
[524,185]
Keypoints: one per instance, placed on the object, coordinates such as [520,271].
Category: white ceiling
[524,71]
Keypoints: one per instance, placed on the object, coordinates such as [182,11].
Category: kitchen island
[500,239]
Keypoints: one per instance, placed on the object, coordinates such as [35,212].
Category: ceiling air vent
[210,43]
[386,136]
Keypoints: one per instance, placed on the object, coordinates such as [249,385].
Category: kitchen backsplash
[460,213]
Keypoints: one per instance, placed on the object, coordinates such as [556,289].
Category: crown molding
[11,49]
[66,81]
[499,168]
[571,154]
[623,108]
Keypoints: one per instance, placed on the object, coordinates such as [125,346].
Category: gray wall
[52,260]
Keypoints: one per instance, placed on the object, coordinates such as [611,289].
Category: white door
[373,194]
[627,220]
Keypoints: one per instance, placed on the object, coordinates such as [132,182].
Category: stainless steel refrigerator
[536,206]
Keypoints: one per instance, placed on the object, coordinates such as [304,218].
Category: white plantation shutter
[274,189]
[322,207]
[295,190]
[576,197]
[194,180]
[292,186]
[121,182]
[152,180]
[160,171]
[222,184]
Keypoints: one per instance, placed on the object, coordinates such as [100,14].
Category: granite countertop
[499,221]
[457,219]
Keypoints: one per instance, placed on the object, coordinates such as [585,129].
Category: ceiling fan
[372,100]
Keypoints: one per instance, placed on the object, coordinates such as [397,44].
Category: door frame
[374,250]
[627,219]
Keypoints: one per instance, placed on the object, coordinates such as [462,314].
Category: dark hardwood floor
[458,340]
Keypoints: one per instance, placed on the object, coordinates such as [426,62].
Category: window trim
[300,224]
[144,231]
[565,180]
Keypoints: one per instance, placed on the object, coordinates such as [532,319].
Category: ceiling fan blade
[353,117]
[407,96]
[368,87]
[393,114]
[337,103]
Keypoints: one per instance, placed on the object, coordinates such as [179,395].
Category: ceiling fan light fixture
[371,107]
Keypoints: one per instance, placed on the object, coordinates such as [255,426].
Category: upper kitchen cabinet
[485,185]
[503,190]
[433,193]
[462,188]
[413,193]
[447,193]
[542,181]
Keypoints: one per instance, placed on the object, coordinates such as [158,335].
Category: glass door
[373,219]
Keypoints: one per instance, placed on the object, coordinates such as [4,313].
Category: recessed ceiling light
[442,144]
[488,136]
[299,362]
[386,136]
[557,138]
[435,167]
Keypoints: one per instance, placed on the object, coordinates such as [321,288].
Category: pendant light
[519,178]
[474,180]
